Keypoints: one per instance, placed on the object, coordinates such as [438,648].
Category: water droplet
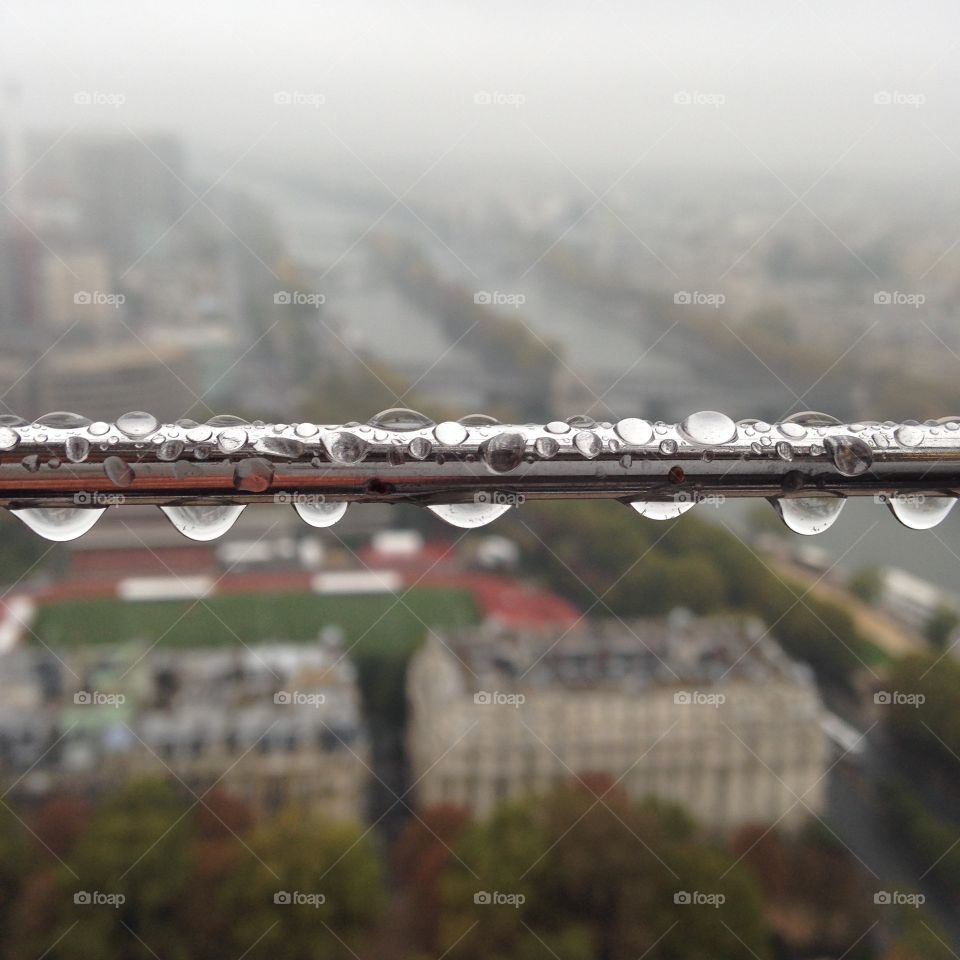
[199,434]
[761,426]
[469,515]
[479,420]
[119,472]
[62,420]
[253,475]
[170,450]
[812,418]
[8,438]
[450,433]
[661,509]
[709,427]
[795,431]
[11,420]
[504,452]
[581,420]
[279,447]
[319,513]
[395,454]
[808,515]
[137,424]
[77,448]
[626,461]
[909,434]
[400,419]
[920,511]
[345,447]
[557,426]
[31,462]
[756,448]
[587,443]
[59,523]
[668,447]
[53,463]
[232,439]
[634,431]
[784,450]
[204,521]
[306,430]
[546,447]
[851,456]
[419,448]
[226,420]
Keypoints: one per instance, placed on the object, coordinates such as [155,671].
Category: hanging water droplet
[469,515]
[400,419]
[279,447]
[587,443]
[31,462]
[546,447]
[232,439]
[626,461]
[662,509]
[62,420]
[851,456]
[318,512]
[808,515]
[226,420]
[784,450]
[77,448]
[668,447]
[345,447]
[635,431]
[450,433]
[909,434]
[118,471]
[253,475]
[137,424]
[204,521]
[419,448]
[170,450]
[8,438]
[504,452]
[59,523]
[709,427]
[920,511]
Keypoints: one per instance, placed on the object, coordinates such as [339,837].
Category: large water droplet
[504,452]
[199,434]
[118,471]
[319,513]
[62,420]
[253,475]
[345,447]
[204,521]
[661,509]
[11,420]
[635,431]
[77,448]
[909,434]
[851,456]
[8,438]
[795,431]
[587,443]
[479,420]
[226,420]
[812,418]
[546,447]
[232,439]
[469,515]
[59,523]
[709,427]
[306,430]
[450,433]
[400,419]
[581,420]
[808,515]
[920,511]
[419,448]
[558,426]
[137,424]
[279,447]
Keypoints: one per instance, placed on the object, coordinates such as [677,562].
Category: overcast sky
[587,88]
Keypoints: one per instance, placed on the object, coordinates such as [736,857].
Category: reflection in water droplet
[784,450]
[253,475]
[400,419]
[581,420]
[587,443]
[204,521]
[756,448]
[709,427]
[345,447]
[8,438]
[808,515]
[661,509]
[668,447]
[231,439]
[546,447]
[279,447]
[137,424]
[62,420]
[119,472]
[851,456]
[319,513]
[170,450]
[450,433]
[635,431]
[419,448]
[503,452]
[909,434]
[59,523]
[920,511]
[469,515]
[77,448]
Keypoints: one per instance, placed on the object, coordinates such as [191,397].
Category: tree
[941,626]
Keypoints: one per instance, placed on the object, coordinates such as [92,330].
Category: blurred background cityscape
[575,733]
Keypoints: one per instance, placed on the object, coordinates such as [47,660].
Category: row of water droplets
[401,435]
